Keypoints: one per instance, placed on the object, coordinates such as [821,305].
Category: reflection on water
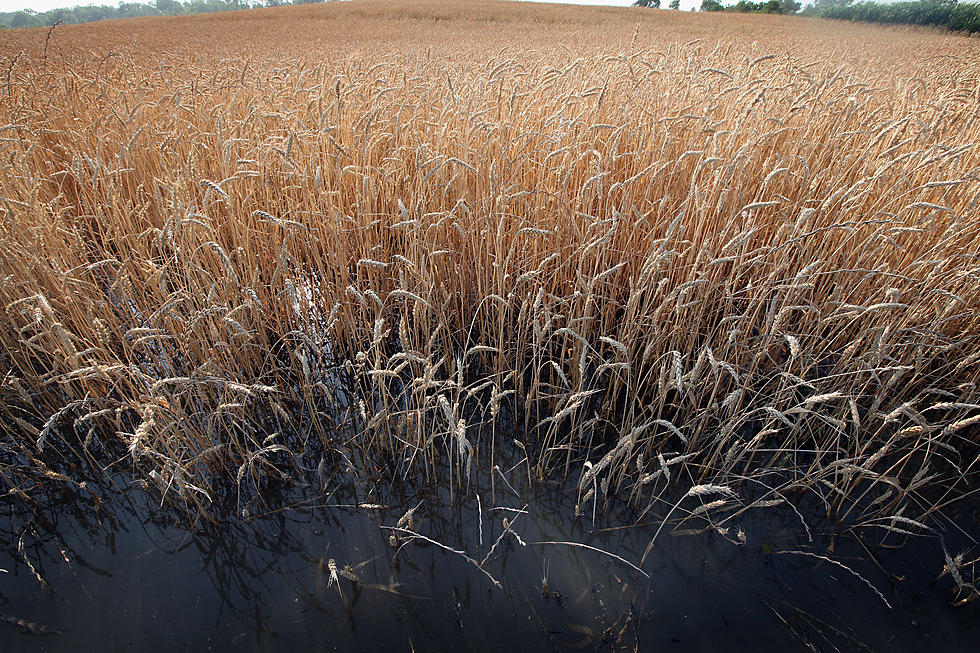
[335,573]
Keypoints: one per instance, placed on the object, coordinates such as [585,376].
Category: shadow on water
[328,572]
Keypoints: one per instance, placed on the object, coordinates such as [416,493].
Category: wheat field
[709,263]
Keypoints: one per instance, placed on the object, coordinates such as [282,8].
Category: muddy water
[124,576]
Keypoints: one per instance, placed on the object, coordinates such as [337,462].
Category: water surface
[126,575]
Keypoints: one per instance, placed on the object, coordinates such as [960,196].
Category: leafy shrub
[927,13]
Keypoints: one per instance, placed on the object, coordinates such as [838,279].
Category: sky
[45,5]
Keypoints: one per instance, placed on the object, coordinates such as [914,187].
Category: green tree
[647,3]
[675,4]
[22,19]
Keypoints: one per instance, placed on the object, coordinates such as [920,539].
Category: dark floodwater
[125,578]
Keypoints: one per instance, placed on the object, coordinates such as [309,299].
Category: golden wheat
[310,237]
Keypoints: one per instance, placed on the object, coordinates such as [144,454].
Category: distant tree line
[742,7]
[950,14]
[29,18]
[933,13]
[748,7]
